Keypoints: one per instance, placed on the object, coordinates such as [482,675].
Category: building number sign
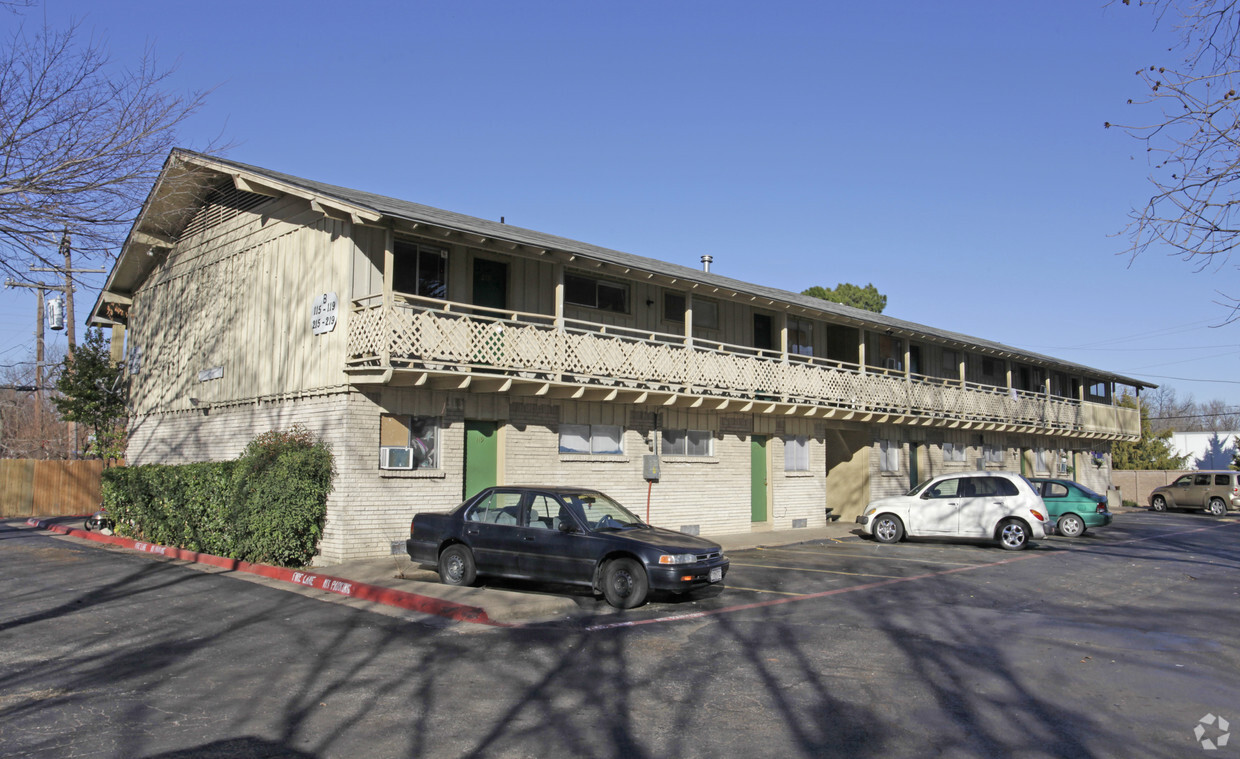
[323,313]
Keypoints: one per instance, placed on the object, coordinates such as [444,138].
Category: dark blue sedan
[566,535]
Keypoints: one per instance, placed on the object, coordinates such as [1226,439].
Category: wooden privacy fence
[38,488]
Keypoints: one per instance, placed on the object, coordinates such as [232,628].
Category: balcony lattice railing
[435,336]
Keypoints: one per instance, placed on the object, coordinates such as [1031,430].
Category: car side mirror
[567,527]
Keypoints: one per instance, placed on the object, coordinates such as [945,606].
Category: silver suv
[1215,491]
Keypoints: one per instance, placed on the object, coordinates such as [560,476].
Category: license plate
[716,574]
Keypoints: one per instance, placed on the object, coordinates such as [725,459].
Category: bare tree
[1168,411]
[30,427]
[1192,137]
[81,143]
[1218,416]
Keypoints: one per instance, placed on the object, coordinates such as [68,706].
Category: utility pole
[67,288]
[38,376]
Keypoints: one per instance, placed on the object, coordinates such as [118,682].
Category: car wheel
[1159,503]
[1071,526]
[456,566]
[1013,534]
[888,529]
[624,583]
[1217,507]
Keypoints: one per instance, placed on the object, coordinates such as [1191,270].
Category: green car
[1074,507]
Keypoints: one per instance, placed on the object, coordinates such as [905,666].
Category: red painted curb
[374,593]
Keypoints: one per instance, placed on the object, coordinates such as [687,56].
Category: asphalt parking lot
[849,563]
[846,562]
[1120,643]
[787,570]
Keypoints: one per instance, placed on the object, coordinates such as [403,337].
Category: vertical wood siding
[239,298]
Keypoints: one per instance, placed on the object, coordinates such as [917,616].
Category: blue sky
[953,154]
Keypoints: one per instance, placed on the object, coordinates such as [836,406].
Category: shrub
[280,496]
[268,506]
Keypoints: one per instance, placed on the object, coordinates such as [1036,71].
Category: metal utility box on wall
[650,467]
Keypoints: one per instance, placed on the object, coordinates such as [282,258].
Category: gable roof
[188,176]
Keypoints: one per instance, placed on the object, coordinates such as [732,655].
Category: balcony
[445,345]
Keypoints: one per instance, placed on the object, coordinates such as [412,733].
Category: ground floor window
[888,456]
[687,443]
[953,452]
[591,438]
[1044,460]
[796,453]
[408,442]
[993,454]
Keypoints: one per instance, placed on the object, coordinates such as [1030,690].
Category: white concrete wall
[1199,446]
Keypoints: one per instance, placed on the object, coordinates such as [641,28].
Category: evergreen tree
[93,393]
[868,297]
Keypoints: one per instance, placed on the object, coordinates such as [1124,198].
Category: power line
[1190,379]
[1233,412]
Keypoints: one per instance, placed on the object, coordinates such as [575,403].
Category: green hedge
[267,506]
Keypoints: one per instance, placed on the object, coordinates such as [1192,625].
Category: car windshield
[917,490]
[602,513]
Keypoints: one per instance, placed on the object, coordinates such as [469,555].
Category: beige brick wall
[798,495]
[1136,485]
[712,493]
[370,509]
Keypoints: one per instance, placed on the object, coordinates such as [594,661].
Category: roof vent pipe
[706,263]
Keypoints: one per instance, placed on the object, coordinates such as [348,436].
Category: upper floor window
[596,293]
[951,365]
[419,270]
[1097,391]
[800,337]
[993,371]
[705,312]
[673,307]
[887,352]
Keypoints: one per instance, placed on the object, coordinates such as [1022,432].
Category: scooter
[100,521]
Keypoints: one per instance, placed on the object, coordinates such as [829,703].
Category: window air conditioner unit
[893,363]
[395,457]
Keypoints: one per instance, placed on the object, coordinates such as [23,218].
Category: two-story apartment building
[438,353]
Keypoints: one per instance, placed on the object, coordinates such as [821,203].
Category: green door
[481,456]
[757,486]
[913,478]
